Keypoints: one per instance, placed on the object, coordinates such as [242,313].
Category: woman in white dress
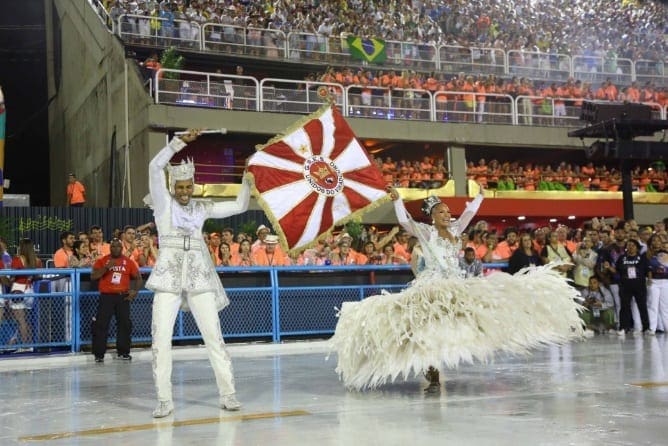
[443,319]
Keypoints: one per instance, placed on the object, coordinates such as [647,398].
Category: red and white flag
[314,178]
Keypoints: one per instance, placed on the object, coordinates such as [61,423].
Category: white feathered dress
[442,319]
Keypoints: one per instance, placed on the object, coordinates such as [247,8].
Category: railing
[455,59]
[317,48]
[193,88]
[537,65]
[598,69]
[303,97]
[206,90]
[157,31]
[266,302]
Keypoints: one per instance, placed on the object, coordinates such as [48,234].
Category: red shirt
[117,279]
[17,263]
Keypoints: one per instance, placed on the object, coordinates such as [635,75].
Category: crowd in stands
[430,173]
[623,29]
[565,176]
[572,91]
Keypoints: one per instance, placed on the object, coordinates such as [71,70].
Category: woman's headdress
[429,203]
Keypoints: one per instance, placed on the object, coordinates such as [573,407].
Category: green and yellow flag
[370,50]
[3,116]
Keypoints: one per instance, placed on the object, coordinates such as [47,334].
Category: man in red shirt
[114,272]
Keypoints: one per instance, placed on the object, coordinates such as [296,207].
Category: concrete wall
[89,102]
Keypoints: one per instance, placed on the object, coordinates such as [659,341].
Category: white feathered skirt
[443,322]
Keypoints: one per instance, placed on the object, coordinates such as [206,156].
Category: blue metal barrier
[265,303]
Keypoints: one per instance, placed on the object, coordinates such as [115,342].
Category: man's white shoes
[229,402]
[163,409]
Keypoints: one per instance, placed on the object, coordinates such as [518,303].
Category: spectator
[261,232]
[227,235]
[62,255]
[524,256]
[556,252]
[343,256]
[149,250]
[471,266]
[584,258]
[76,192]
[80,257]
[401,244]
[243,256]
[114,272]
[224,255]
[389,257]
[98,247]
[131,245]
[21,284]
[633,270]
[507,247]
[599,314]
[270,255]
[657,292]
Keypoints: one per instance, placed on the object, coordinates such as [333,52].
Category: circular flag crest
[323,175]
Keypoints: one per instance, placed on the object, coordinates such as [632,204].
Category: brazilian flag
[370,50]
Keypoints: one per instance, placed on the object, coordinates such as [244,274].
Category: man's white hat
[260,228]
[271,239]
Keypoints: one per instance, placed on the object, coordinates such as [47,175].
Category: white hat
[345,235]
[271,239]
[260,228]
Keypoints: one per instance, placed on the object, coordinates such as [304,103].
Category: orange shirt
[76,193]
[480,250]
[402,250]
[103,249]
[277,258]
[504,251]
[61,258]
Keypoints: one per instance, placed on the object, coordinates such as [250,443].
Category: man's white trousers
[203,307]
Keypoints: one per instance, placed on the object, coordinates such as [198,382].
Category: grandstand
[107,102]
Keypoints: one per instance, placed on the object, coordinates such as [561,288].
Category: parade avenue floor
[601,391]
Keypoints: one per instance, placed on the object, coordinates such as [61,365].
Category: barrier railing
[216,90]
[290,96]
[269,303]
[598,69]
[455,59]
[202,89]
[157,31]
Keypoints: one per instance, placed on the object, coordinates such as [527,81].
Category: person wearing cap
[76,192]
[184,275]
[271,255]
[261,232]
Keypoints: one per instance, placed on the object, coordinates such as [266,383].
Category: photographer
[600,306]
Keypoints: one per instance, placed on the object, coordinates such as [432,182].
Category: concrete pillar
[457,168]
